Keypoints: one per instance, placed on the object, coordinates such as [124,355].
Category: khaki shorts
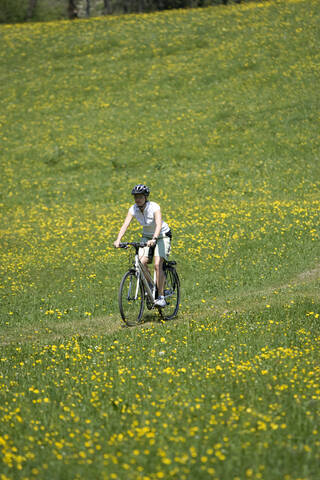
[162,248]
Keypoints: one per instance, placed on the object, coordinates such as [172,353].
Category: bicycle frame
[140,273]
[141,276]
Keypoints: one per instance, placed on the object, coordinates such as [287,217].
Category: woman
[155,233]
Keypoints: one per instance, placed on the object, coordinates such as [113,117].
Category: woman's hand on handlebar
[116,243]
[151,243]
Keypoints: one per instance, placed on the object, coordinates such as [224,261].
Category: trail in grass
[303,285]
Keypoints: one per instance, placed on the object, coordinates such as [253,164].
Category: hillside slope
[217,110]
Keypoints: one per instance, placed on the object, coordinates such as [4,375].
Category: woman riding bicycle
[156,233]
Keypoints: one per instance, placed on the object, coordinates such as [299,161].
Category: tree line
[41,10]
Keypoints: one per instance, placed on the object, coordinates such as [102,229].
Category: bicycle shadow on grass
[147,320]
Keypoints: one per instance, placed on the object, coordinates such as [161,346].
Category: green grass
[218,111]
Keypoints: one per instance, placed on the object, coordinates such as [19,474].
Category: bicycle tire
[172,294]
[131,309]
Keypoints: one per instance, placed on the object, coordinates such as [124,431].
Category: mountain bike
[138,289]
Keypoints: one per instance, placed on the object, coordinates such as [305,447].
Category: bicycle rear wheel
[171,294]
[131,298]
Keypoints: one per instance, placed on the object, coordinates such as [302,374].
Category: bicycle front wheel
[131,299]
[171,294]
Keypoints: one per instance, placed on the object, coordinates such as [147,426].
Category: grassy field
[217,110]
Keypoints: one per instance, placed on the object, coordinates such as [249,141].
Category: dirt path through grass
[304,284]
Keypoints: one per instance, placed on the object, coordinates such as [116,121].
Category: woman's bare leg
[158,265]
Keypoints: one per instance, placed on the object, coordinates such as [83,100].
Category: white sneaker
[160,302]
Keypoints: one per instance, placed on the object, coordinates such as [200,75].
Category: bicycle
[137,288]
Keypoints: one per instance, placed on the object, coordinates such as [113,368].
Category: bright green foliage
[217,110]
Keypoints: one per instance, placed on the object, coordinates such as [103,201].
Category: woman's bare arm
[123,229]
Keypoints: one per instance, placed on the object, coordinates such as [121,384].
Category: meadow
[217,110]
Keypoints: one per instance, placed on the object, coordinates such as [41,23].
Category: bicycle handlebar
[132,244]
